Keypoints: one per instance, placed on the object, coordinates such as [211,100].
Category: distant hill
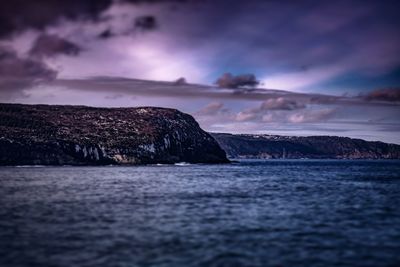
[295,147]
[79,135]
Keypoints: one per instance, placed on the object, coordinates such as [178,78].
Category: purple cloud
[281,103]
[19,15]
[146,23]
[53,45]
[309,116]
[227,80]
[212,109]
[385,94]
[18,73]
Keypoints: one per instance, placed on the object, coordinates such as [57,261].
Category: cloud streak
[274,99]
[384,94]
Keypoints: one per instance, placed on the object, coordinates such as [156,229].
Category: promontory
[80,135]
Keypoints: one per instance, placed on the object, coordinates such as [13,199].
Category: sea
[248,213]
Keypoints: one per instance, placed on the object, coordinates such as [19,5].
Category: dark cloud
[19,15]
[18,73]
[106,34]
[53,45]
[227,80]
[180,81]
[145,23]
[386,94]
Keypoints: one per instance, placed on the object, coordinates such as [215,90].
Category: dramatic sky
[292,67]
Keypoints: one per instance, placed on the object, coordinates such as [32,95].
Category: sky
[288,67]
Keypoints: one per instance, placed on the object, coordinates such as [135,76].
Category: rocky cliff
[294,147]
[79,135]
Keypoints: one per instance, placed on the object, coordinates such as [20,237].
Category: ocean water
[252,213]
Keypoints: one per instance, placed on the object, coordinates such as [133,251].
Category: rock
[79,135]
[295,147]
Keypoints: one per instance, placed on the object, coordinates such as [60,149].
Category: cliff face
[314,147]
[78,135]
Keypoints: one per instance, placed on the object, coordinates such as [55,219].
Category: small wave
[182,164]
[29,166]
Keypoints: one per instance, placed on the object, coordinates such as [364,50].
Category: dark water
[274,213]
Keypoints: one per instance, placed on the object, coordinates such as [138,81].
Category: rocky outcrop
[295,147]
[79,135]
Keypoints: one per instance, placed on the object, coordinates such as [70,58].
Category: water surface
[253,213]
